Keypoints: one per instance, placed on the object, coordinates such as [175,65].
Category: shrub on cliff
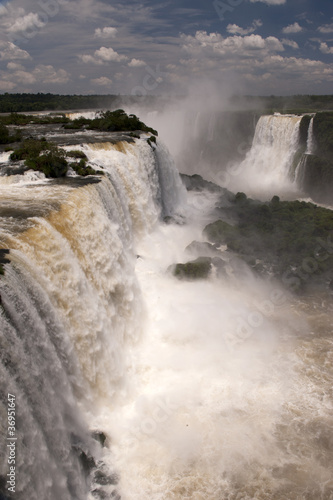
[5,137]
[52,163]
[43,156]
[119,121]
[282,234]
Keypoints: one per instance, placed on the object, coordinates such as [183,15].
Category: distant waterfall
[69,303]
[310,145]
[300,171]
[267,167]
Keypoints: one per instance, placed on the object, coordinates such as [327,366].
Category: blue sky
[256,47]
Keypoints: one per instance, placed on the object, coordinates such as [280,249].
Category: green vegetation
[51,102]
[194,270]
[108,121]
[10,103]
[43,156]
[295,104]
[111,121]
[283,235]
[82,169]
[6,138]
[22,120]
[77,154]
[48,158]
[118,121]
[152,141]
[78,123]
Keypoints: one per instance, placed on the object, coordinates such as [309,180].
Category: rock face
[318,178]
[198,269]
[193,270]
[289,239]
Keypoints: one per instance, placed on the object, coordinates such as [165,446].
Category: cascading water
[310,144]
[267,166]
[70,302]
[310,149]
[204,390]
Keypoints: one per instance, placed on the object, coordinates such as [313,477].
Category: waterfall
[267,167]
[203,389]
[70,302]
[310,145]
[310,148]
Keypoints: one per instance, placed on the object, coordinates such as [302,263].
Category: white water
[310,145]
[267,167]
[206,390]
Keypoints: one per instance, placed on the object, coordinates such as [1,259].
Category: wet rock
[203,249]
[100,437]
[193,270]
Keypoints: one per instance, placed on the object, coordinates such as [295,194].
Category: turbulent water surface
[205,390]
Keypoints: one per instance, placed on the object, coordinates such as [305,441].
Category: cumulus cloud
[85,58]
[236,30]
[9,51]
[107,32]
[5,86]
[108,54]
[15,66]
[136,63]
[292,28]
[102,56]
[252,60]
[48,74]
[214,44]
[26,23]
[290,43]
[103,81]
[326,28]
[325,49]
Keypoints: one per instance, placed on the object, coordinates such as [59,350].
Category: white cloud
[270,2]
[326,28]
[10,51]
[6,86]
[15,66]
[107,32]
[25,23]
[136,63]
[85,58]
[214,44]
[102,56]
[48,74]
[103,81]
[290,43]
[236,30]
[325,49]
[292,28]
[23,77]
[251,60]
[108,54]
